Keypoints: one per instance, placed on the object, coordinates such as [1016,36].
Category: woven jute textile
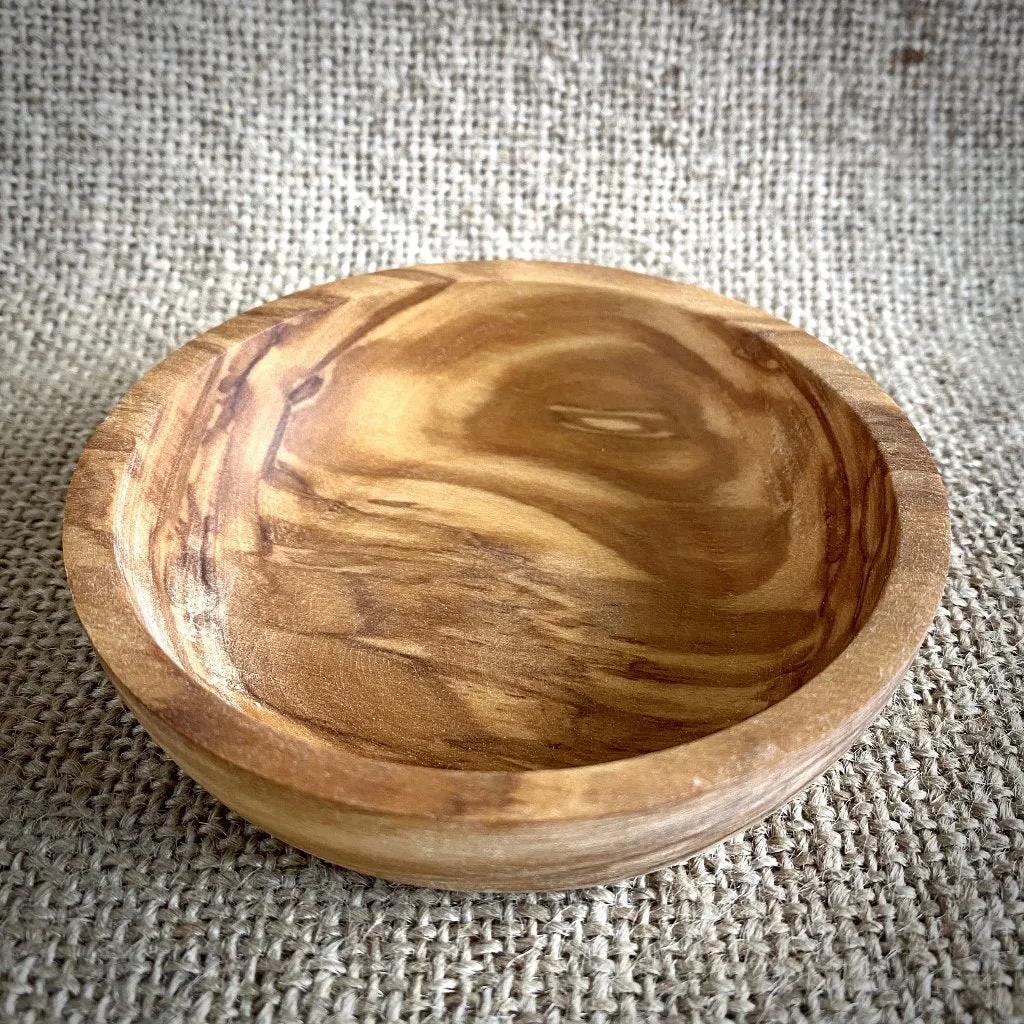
[856,168]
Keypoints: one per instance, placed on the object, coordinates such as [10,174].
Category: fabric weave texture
[856,168]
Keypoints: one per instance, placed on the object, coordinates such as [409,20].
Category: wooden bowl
[505,575]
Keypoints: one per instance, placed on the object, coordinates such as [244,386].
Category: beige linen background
[856,168]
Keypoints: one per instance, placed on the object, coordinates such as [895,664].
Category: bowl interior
[506,527]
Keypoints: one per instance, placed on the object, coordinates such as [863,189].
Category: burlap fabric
[856,168]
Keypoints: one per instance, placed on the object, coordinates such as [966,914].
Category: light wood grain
[505,574]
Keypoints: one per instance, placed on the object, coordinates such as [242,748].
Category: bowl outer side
[730,778]
[472,854]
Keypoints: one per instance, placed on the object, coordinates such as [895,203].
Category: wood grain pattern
[452,528]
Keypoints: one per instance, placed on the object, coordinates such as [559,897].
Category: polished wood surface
[464,524]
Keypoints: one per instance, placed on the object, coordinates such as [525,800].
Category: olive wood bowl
[505,575]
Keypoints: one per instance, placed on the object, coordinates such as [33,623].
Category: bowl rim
[815,723]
